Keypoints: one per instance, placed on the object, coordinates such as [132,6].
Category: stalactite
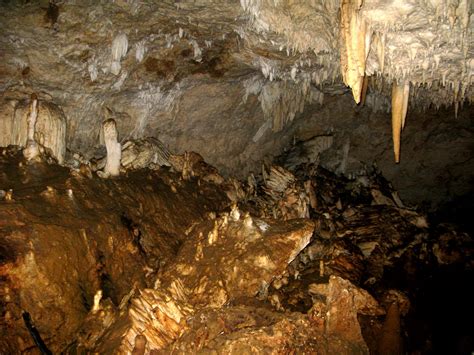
[400,93]
[353,47]
[379,41]
[119,50]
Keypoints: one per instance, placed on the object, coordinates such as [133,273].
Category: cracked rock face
[236,82]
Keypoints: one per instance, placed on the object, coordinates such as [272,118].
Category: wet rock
[156,317]
[221,261]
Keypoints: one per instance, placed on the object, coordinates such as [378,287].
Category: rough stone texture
[50,126]
[146,265]
[59,245]
[218,264]
[236,83]
[436,157]
[215,257]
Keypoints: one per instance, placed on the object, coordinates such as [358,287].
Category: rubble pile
[143,153]
[178,259]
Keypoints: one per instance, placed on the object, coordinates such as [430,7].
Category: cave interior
[236,177]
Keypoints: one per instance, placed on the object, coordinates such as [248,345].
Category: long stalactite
[354,44]
[400,93]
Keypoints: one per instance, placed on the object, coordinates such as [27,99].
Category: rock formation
[250,143]
[31,150]
[49,127]
[114,150]
[155,262]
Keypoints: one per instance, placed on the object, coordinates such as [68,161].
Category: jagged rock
[306,152]
[343,301]
[283,197]
[235,190]
[250,329]
[185,276]
[192,164]
[226,242]
[157,316]
[447,248]
[59,246]
[208,272]
[144,153]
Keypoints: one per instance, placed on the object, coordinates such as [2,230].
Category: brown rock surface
[58,248]
[156,261]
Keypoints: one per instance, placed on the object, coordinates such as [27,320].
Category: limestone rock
[192,164]
[58,248]
[210,264]
[50,127]
[144,153]
[114,149]
[343,302]
[250,329]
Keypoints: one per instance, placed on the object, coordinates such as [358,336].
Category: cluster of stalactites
[360,37]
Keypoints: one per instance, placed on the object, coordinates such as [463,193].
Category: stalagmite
[49,130]
[97,299]
[114,152]
[400,95]
[31,150]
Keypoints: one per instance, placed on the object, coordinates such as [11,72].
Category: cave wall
[243,84]
[213,119]
[436,163]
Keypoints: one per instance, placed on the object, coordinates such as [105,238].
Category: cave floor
[158,262]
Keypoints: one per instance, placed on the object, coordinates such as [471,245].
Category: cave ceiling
[140,57]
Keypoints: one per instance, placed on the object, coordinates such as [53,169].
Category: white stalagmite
[49,127]
[114,151]
[97,299]
[31,150]
[400,93]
